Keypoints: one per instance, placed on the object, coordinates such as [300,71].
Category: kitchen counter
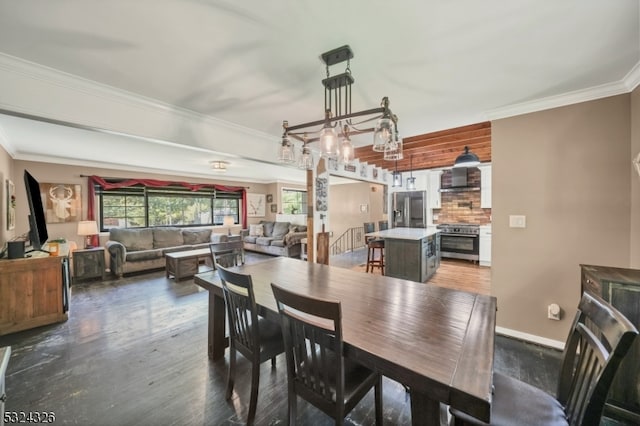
[410,253]
[405,233]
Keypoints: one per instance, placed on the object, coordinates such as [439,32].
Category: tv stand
[33,292]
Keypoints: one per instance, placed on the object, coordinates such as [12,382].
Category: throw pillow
[256,230]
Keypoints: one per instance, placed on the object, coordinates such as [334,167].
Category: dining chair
[598,341]
[383,225]
[317,371]
[235,247]
[257,338]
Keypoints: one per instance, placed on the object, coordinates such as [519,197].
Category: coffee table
[184,264]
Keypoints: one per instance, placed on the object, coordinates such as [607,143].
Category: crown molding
[52,76]
[578,96]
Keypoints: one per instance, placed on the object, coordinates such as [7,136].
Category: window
[294,201]
[139,207]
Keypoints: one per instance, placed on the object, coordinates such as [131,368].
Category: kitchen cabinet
[433,192]
[485,245]
[621,288]
[485,186]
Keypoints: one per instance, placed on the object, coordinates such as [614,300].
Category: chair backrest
[241,310]
[224,253]
[383,225]
[312,331]
[369,227]
[598,341]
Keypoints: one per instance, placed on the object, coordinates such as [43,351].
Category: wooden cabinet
[414,260]
[621,288]
[485,186]
[33,292]
[88,264]
[433,191]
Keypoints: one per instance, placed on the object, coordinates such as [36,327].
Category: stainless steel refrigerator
[409,209]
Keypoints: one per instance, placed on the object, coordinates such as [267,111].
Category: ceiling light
[397,177]
[338,119]
[466,159]
[411,181]
[219,166]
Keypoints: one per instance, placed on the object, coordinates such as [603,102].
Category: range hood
[459,181]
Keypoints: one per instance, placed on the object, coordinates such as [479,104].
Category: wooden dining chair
[316,368]
[234,247]
[383,225]
[254,337]
[598,341]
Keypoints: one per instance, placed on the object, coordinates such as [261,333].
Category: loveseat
[275,238]
[140,249]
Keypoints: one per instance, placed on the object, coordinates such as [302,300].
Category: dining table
[437,342]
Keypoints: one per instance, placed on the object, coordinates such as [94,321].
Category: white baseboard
[556,344]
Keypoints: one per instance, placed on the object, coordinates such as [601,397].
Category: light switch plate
[517,221]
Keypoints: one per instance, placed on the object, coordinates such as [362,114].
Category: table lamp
[228,221]
[87,229]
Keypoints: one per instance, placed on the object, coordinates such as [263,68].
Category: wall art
[322,204]
[11,205]
[255,205]
[62,202]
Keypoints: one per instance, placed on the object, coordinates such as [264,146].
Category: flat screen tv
[38,234]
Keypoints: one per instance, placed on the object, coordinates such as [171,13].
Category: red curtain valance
[97,180]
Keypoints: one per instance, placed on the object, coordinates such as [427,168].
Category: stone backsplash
[462,207]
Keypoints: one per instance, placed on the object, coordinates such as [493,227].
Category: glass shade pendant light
[397,177]
[286,153]
[384,130]
[393,149]
[306,157]
[346,153]
[328,137]
[411,181]
[466,159]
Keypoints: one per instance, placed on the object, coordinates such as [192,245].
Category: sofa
[275,238]
[141,249]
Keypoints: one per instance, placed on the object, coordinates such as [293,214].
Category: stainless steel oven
[460,241]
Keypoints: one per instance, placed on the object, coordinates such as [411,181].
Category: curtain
[97,180]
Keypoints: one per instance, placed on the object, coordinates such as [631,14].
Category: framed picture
[269,198]
[11,205]
[255,205]
[274,208]
[62,202]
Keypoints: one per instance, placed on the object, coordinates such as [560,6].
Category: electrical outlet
[517,221]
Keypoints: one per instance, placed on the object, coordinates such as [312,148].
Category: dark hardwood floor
[134,352]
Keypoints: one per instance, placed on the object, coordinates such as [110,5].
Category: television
[38,234]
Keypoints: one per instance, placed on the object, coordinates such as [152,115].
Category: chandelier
[334,131]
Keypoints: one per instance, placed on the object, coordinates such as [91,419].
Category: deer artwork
[60,197]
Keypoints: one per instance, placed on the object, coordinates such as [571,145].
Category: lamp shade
[87,227]
[228,221]
[466,159]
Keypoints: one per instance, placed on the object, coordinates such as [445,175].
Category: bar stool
[372,261]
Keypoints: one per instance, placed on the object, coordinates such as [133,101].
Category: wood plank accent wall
[437,149]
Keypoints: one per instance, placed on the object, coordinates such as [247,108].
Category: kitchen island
[410,253]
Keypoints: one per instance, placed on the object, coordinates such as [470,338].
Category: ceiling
[253,64]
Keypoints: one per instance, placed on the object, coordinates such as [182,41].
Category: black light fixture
[411,181]
[466,159]
[334,130]
[397,177]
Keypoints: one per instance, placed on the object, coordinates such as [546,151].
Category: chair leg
[273,362]
[232,372]
[378,402]
[292,409]
[368,258]
[255,380]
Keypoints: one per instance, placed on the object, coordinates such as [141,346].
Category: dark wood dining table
[436,341]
